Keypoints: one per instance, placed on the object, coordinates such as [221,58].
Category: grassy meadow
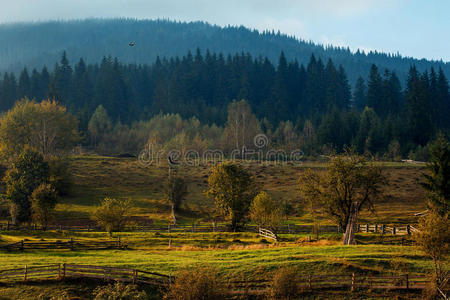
[234,255]
[96,177]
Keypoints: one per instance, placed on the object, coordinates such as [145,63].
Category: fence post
[408,229]
[118,241]
[59,272]
[25,273]
[64,271]
[383,229]
[394,230]
[89,227]
[376,228]
[353,282]
[367,228]
[21,245]
[407,281]
[60,227]
[7,226]
[135,272]
[71,244]
[309,281]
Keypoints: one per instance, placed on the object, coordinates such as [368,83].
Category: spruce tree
[359,94]
[375,90]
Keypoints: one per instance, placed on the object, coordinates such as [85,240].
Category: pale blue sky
[418,28]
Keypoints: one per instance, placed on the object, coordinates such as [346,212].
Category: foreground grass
[234,255]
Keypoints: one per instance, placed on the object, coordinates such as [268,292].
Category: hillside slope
[36,44]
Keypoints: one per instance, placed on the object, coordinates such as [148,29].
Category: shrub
[196,284]
[112,214]
[433,237]
[265,211]
[27,172]
[60,177]
[43,202]
[118,291]
[284,284]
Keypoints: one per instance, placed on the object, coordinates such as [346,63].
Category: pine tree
[359,94]
[392,94]
[24,87]
[375,91]
[418,103]
[61,81]
[442,102]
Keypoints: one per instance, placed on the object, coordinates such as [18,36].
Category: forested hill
[37,44]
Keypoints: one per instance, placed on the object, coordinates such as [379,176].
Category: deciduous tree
[45,126]
[28,171]
[265,211]
[349,184]
[112,214]
[43,202]
[176,191]
[233,189]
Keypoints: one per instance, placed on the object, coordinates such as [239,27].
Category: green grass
[231,253]
[250,263]
[235,255]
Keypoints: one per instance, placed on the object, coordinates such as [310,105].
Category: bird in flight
[131,44]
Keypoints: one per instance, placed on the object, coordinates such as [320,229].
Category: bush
[43,202]
[196,284]
[118,291]
[112,214]
[60,177]
[284,284]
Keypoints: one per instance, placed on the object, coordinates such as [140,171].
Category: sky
[416,28]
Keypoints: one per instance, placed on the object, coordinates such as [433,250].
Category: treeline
[41,43]
[289,100]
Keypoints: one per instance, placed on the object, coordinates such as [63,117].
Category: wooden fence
[213,227]
[384,229]
[351,282]
[63,271]
[268,234]
[69,245]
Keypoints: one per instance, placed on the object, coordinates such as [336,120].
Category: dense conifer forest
[312,105]
[42,43]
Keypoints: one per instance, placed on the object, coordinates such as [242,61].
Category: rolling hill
[42,43]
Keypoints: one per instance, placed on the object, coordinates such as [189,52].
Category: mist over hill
[37,44]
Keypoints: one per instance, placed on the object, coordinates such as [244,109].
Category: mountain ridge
[35,44]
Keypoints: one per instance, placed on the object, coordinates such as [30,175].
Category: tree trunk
[349,235]
[233,222]
[174,219]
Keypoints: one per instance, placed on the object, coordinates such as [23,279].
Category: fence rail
[268,234]
[69,245]
[284,229]
[337,281]
[63,271]
[304,282]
